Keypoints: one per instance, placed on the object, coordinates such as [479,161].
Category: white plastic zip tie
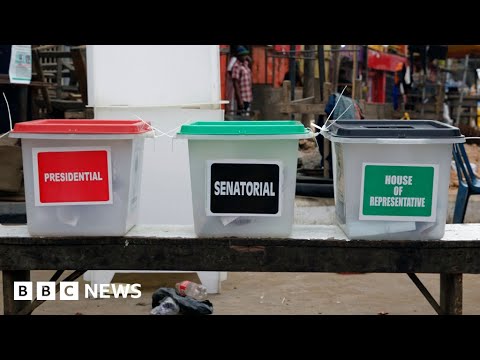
[9,116]
[331,112]
[167,133]
[155,130]
[333,122]
[324,129]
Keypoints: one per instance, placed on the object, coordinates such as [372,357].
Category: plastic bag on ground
[188,306]
[167,306]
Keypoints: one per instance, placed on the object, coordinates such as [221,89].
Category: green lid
[279,127]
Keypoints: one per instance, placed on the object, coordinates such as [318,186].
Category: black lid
[402,129]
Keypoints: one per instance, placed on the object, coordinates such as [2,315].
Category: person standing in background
[232,106]
[242,81]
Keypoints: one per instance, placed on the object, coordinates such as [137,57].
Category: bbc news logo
[69,290]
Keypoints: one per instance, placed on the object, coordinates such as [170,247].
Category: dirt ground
[284,294]
[290,293]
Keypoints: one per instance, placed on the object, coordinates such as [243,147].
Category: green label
[402,193]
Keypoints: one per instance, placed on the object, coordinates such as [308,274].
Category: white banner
[20,71]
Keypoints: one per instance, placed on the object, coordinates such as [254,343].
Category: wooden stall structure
[63,68]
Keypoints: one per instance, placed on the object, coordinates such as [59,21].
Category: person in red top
[242,81]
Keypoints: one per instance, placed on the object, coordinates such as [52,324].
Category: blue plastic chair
[468,182]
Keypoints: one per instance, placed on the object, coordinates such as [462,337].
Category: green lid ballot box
[243,176]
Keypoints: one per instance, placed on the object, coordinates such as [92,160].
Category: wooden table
[310,248]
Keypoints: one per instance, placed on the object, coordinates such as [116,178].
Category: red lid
[82,126]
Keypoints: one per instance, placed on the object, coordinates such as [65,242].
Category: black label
[244,188]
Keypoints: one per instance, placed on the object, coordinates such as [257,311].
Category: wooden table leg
[451,293]
[10,306]
[23,101]
[327,166]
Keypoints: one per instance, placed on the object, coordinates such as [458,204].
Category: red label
[73,176]
[183,287]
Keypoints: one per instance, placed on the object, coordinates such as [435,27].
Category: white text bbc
[69,290]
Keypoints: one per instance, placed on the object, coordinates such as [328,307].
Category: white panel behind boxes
[145,79]
[144,75]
